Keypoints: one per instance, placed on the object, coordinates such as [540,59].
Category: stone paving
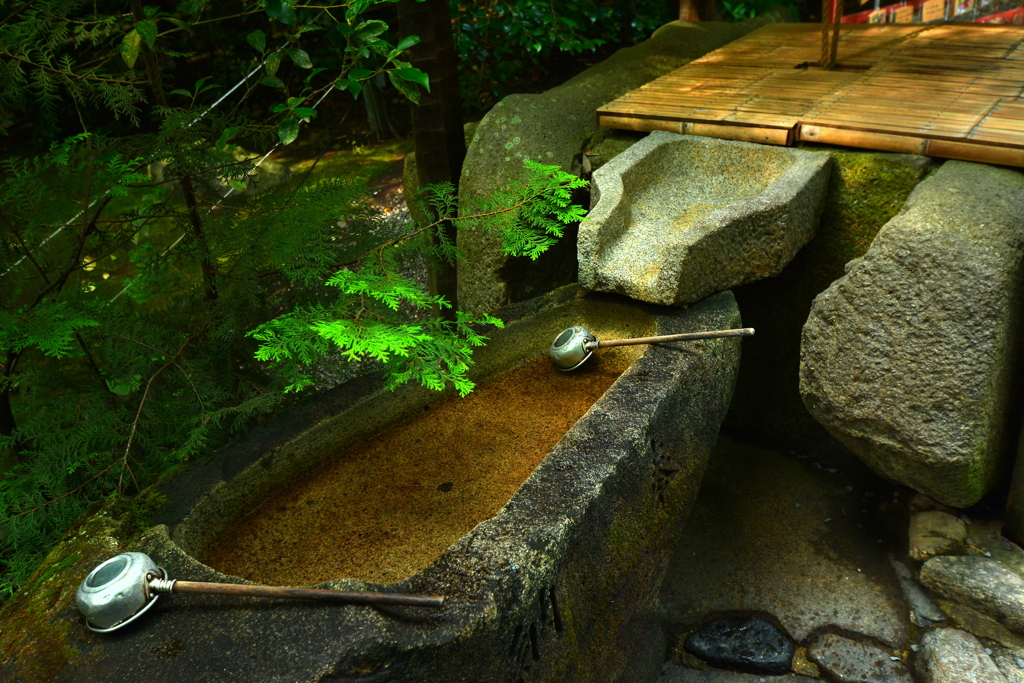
[868,581]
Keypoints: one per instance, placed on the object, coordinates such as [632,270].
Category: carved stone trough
[558,583]
[677,217]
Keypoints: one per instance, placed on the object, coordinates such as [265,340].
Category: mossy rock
[47,636]
[558,127]
[866,189]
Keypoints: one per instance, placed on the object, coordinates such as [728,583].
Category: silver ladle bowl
[574,345]
[123,588]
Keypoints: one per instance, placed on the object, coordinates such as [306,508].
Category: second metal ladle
[574,345]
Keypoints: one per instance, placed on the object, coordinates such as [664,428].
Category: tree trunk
[7,422]
[437,119]
[376,114]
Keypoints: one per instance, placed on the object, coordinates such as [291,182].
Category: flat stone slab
[770,534]
[854,661]
[908,359]
[674,673]
[677,217]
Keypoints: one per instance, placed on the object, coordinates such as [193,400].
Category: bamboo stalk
[348,597]
[690,336]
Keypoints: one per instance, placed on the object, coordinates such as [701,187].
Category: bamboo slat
[951,90]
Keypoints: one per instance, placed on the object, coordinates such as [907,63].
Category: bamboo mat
[945,90]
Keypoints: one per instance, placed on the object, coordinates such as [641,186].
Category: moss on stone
[47,621]
[866,190]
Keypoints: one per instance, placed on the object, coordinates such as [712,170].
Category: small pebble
[797,505]
[832,470]
[988,651]
[849,488]
[913,647]
[895,659]
[864,511]
[966,519]
[818,465]
[1018,661]
[878,540]
[860,526]
[988,554]
[828,519]
[792,452]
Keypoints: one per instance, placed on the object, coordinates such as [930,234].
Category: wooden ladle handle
[742,332]
[349,597]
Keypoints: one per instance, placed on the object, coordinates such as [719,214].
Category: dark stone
[742,644]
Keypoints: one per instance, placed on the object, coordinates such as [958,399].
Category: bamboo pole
[348,597]
[690,336]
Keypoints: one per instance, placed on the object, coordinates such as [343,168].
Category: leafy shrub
[500,42]
[153,299]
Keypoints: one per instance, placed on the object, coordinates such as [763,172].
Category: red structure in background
[971,11]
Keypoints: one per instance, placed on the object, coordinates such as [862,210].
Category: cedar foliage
[154,298]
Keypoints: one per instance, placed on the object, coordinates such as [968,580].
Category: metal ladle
[574,345]
[120,590]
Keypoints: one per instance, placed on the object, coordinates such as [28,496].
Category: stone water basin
[550,550]
[384,509]
[677,217]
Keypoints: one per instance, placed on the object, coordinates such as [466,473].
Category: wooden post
[688,11]
[831,15]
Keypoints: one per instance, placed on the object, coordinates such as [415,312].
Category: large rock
[856,661]
[744,644]
[865,190]
[981,583]
[678,217]
[557,127]
[909,358]
[561,584]
[949,655]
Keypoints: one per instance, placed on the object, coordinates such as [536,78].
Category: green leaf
[273,8]
[287,16]
[305,112]
[226,136]
[258,40]
[300,58]
[273,62]
[314,73]
[371,29]
[179,23]
[413,74]
[280,106]
[179,91]
[147,30]
[237,184]
[272,81]
[360,74]
[130,47]
[354,87]
[404,87]
[288,130]
[407,42]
